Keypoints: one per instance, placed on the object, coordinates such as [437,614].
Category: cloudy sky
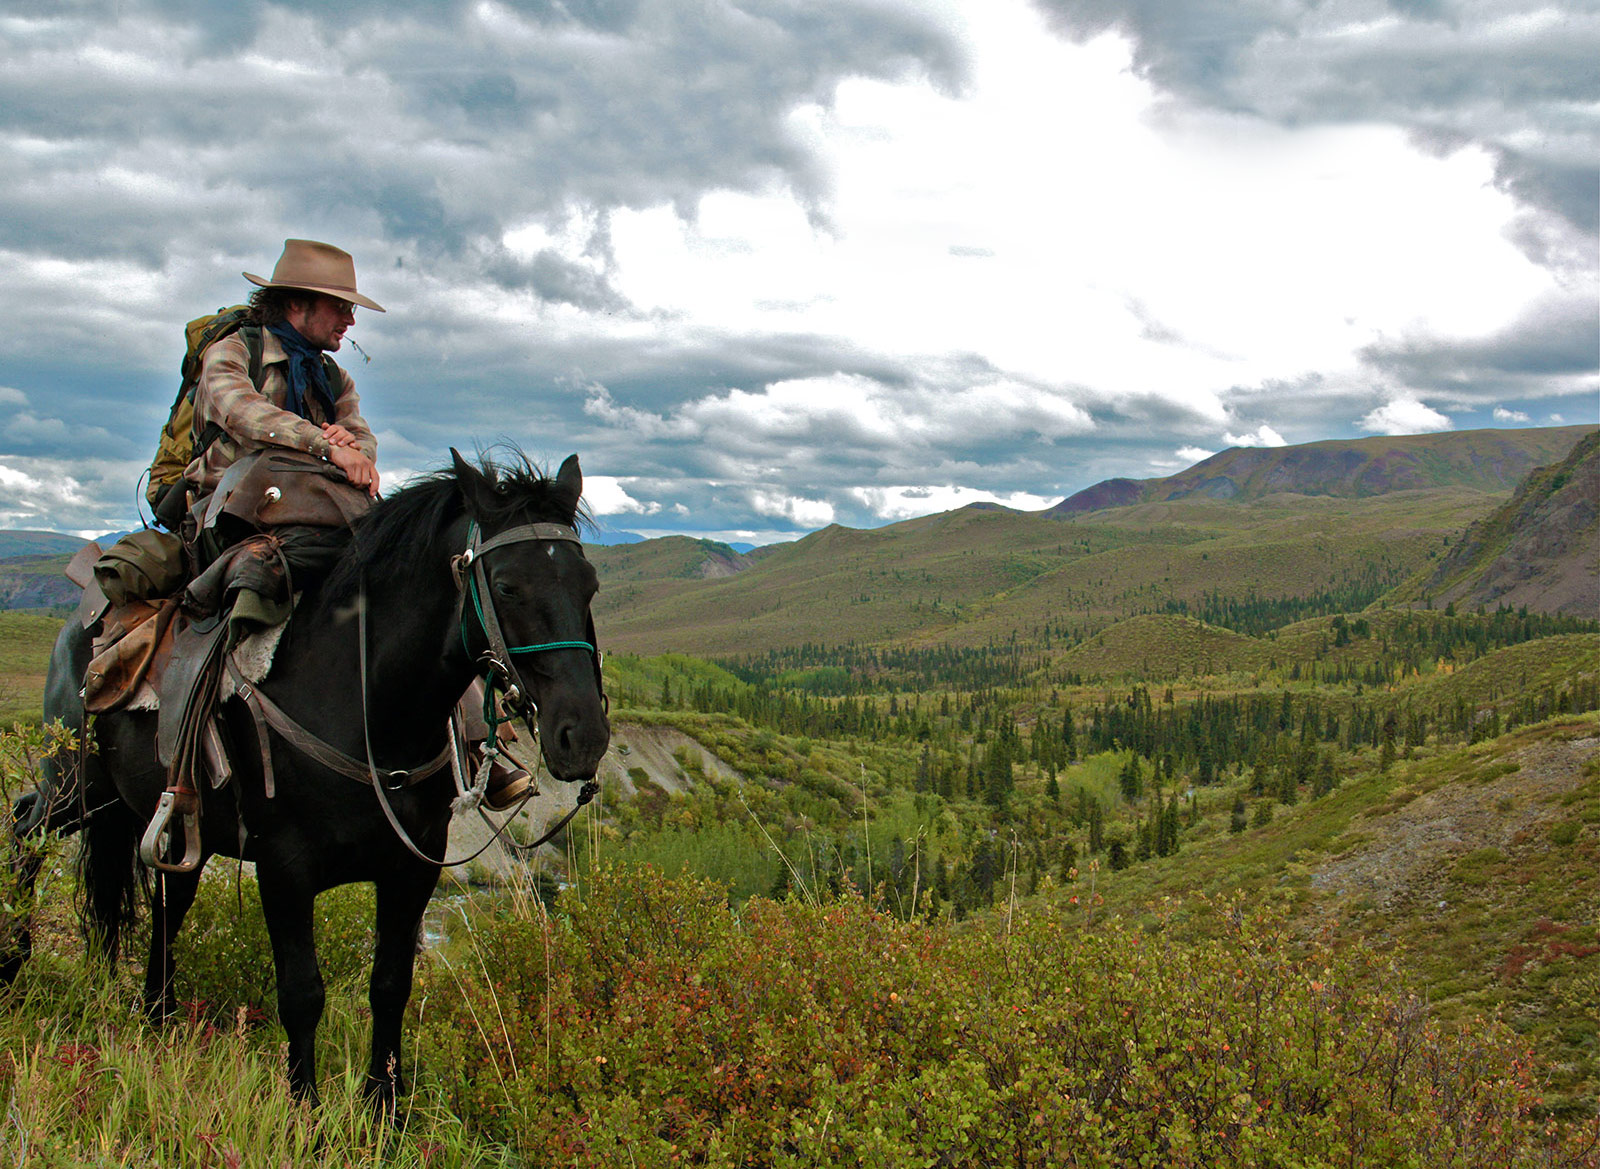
[773,264]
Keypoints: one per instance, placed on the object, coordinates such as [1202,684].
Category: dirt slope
[632,746]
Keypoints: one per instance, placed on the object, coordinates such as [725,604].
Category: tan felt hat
[315,267]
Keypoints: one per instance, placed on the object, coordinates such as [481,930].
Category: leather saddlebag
[275,488]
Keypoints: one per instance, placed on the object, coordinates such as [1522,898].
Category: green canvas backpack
[178,445]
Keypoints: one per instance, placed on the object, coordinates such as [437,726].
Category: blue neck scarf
[307,374]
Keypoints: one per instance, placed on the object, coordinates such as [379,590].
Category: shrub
[648,1024]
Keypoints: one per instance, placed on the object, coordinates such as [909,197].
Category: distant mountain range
[1332,526]
[38,544]
[1485,460]
[1428,518]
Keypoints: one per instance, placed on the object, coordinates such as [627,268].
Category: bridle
[472,580]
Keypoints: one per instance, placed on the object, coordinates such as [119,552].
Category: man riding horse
[269,386]
[299,400]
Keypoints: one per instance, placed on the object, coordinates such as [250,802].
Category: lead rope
[584,795]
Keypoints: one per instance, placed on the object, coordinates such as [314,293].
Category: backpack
[178,445]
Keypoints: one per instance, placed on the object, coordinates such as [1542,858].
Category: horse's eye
[507,589]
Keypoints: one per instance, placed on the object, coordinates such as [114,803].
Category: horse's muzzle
[575,744]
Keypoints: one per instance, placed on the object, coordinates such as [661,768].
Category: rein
[585,794]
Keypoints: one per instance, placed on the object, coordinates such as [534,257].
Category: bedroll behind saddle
[144,565]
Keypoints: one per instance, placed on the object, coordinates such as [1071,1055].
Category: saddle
[177,643]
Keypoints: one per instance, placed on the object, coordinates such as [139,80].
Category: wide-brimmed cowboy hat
[315,267]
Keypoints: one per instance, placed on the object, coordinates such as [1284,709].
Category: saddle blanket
[252,656]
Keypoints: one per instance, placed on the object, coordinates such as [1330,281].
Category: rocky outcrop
[1541,550]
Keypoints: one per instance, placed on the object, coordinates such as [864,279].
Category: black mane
[397,539]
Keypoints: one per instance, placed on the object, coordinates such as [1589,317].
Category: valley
[1143,725]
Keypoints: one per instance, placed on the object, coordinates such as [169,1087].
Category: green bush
[648,1024]
[223,957]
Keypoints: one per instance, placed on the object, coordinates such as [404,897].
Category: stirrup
[509,784]
[157,842]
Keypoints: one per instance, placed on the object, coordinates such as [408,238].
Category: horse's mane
[397,538]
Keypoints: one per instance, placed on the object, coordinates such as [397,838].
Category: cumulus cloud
[1262,435]
[1507,74]
[1553,347]
[65,495]
[606,495]
[904,502]
[1194,454]
[1501,414]
[1404,416]
[805,513]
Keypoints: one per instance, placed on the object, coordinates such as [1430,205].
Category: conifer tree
[1167,840]
[1288,789]
[1326,780]
[1131,778]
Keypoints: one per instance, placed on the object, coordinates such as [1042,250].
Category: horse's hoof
[11,963]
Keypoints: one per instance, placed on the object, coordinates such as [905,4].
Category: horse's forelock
[523,492]
[399,537]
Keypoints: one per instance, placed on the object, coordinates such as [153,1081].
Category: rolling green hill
[1476,866]
[1310,530]
[26,543]
[971,577]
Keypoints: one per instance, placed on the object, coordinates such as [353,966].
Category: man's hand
[337,435]
[357,468]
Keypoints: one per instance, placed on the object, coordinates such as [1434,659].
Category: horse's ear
[569,481]
[471,481]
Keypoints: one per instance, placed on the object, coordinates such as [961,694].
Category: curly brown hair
[269,306]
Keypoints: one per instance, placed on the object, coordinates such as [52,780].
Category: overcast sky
[772,264]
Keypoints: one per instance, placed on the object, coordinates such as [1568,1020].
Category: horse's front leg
[170,899]
[401,899]
[16,928]
[287,899]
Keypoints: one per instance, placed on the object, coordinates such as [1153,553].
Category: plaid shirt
[252,419]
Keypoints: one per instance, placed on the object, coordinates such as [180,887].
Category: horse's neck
[399,658]
[413,665]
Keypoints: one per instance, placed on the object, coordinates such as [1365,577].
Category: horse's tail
[110,878]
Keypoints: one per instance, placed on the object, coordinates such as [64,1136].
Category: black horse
[426,640]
